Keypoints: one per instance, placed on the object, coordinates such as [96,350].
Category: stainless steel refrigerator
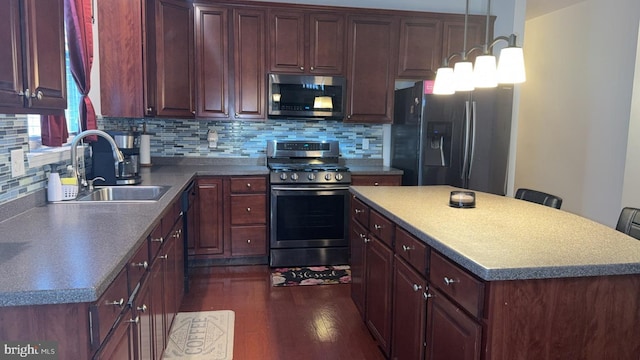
[460,140]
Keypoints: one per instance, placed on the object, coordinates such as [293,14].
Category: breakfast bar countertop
[503,238]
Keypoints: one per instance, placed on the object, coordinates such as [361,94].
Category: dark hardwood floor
[282,323]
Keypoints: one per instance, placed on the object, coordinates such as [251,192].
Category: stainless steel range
[309,203]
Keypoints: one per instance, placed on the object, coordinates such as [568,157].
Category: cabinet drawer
[137,266]
[412,250]
[360,212]
[248,209]
[248,240]
[376,180]
[105,311]
[459,285]
[155,242]
[381,227]
[245,185]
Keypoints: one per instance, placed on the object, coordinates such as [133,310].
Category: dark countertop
[503,238]
[69,253]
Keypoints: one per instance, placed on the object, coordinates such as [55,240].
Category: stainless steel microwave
[306,97]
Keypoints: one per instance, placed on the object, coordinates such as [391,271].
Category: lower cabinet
[120,344]
[376,180]
[378,272]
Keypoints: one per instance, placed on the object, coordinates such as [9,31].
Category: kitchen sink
[135,193]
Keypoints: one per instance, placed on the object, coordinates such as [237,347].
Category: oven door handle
[298,188]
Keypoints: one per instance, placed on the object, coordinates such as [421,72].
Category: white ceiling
[536,8]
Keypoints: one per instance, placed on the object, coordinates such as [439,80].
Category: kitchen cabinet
[233,213]
[376,180]
[210,240]
[121,342]
[153,71]
[32,65]
[249,63]
[453,36]
[420,49]
[304,42]
[372,45]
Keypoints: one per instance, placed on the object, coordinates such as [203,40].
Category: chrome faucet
[82,176]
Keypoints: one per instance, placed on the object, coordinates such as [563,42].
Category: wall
[575,106]
[630,189]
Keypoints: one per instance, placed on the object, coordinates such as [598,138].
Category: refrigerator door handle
[465,162]
[473,136]
[442,151]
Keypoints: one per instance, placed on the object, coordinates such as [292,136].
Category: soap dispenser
[54,187]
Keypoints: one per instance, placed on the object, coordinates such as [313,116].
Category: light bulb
[484,72]
[463,76]
[511,66]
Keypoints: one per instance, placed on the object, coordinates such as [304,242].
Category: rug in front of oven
[313,275]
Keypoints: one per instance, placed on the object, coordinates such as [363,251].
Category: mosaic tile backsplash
[189,138]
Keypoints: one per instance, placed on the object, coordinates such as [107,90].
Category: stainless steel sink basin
[136,193]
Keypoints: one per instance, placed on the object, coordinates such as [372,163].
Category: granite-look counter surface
[69,253]
[504,238]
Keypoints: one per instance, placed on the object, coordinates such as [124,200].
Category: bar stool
[539,197]
[629,222]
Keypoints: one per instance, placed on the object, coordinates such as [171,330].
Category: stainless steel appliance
[309,204]
[306,96]
[102,163]
[460,140]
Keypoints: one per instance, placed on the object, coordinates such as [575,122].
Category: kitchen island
[543,283]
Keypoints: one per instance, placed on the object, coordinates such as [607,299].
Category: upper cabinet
[306,42]
[32,65]
[453,36]
[146,58]
[372,43]
[420,47]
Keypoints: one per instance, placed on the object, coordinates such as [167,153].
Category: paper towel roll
[145,149]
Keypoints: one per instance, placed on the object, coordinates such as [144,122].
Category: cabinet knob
[193,112]
[135,321]
[426,295]
[248,209]
[116,303]
[249,185]
[248,241]
[377,227]
[312,68]
[37,95]
[417,287]
[449,281]
[302,68]
[367,240]
[407,248]
[149,110]
[143,265]
[237,115]
[376,184]
[142,308]
[159,240]
[358,211]
[164,257]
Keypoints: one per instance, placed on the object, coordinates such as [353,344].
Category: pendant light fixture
[485,70]
[463,70]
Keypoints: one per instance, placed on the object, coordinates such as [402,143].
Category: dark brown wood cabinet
[378,277]
[409,312]
[420,50]
[306,43]
[376,180]
[32,65]
[371,48]
[249,63]
[453,36]
[210,240]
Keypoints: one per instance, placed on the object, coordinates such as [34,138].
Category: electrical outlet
[17,163]
[365,144]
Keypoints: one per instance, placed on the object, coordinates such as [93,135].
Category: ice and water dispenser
[437,144]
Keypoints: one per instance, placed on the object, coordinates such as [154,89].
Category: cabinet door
[173,53]
[453,37]
[358,264]
[212,61]
[249,62]
[121,77]
[451,333]
[420,48]
[379,272]
[409,312]
[156,309]
[10,55]
[326,44]
[44,44]
[210,240]
[168,257]
[144,334]
[372,45]
[286,39]
[120,344]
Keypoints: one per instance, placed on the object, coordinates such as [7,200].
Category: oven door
[309,216]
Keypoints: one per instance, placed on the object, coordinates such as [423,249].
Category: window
[71,113]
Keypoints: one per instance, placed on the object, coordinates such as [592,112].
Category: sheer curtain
[79,25]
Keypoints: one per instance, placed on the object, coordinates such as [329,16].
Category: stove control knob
[328,177]
[339,176]
[294,176]
[283,176]
[311,176]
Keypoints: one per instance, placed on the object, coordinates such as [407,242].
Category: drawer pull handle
[116,303]
[358,211]
[143,264]
[449,281]
[248,209]
[248,241]
[362,236]
[135,321]
[417,287]
[426,295]
[159,240]
[376,183]
[142,308]
[377,227]
[249,185]
[366,240]
[164,257]
[407,248]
